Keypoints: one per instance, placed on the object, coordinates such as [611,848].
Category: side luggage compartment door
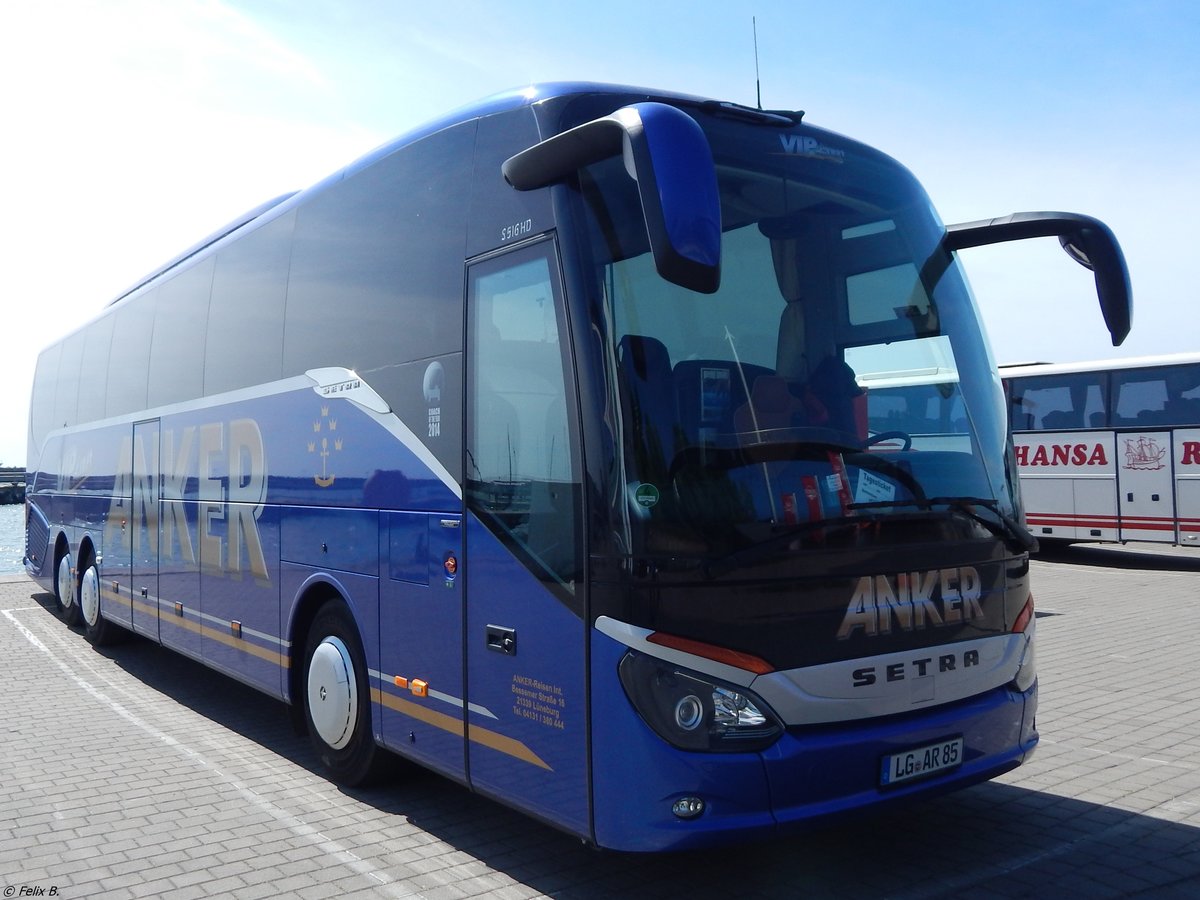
[525,627]
[420,613]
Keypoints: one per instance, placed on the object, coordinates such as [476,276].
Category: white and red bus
[1109,451]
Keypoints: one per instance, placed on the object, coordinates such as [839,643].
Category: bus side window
[1165,395]
[1059,402]
[522,462]
[1142,401]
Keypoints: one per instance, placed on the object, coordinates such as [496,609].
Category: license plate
[921,761]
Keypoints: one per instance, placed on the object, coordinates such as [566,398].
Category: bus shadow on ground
[1109,556]
[998,839]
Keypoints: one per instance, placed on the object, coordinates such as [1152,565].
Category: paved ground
[133,772]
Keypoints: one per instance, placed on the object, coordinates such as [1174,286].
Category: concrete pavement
[133,772]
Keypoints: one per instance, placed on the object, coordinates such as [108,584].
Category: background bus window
[1058,402]
[1165,395]
[177,347]
[66,397]
[93,389]
[41,408]
[246,314]
[130,354]
[522,471]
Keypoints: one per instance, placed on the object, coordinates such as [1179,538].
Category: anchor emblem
[321,426]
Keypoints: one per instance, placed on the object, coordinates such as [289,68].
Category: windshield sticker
[873,489]
[646,496]
[838,483]
[714,395]
[807,502]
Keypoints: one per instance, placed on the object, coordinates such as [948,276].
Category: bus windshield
[838,376]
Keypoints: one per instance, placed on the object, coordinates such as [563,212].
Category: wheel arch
[316,590]
[313,594]
[86,551]
[62,547]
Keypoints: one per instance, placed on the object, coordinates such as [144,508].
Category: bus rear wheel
[97,629]
[337,698]
[65,591]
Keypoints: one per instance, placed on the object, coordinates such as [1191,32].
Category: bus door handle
[502,640]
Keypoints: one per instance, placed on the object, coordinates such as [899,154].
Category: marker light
[734,658]
[692,711]
[1027,670]
[1024,617]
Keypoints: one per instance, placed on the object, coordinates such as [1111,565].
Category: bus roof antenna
[757,81]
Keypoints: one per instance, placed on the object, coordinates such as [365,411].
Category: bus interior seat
[1151,417]
[1061,419]
[1183,411]
[834,386]
[644,366]
[707,392]
[771,405]
[791,357]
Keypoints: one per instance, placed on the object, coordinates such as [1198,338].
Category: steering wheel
[882,436]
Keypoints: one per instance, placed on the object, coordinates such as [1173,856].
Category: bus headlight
[693,711]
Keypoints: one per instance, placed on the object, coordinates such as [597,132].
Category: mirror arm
[1086,240]
[667,154]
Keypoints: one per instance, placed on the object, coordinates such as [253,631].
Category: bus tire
[97,629]
[66,591]
[337,698]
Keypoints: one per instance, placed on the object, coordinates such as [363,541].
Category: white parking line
[298,827]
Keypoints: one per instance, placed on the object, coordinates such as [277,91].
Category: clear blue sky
[134,127]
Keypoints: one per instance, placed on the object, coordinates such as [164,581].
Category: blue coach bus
[538,447]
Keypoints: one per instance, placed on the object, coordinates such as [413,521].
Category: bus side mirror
[1088,241]
[668,156]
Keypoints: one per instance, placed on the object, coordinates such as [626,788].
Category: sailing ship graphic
[1144,453]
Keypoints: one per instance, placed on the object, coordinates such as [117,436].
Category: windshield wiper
[1008,529]
[770,547]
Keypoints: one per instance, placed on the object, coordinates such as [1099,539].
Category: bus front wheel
[337,698]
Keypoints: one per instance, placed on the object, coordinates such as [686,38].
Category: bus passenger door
[525,628]
[144,528]
[1145,488]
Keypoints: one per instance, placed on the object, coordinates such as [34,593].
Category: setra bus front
[808,575]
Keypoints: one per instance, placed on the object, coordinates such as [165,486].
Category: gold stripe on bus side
[491,739]
[239,644]
[482,736]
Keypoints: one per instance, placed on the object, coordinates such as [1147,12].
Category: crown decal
[322,426]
